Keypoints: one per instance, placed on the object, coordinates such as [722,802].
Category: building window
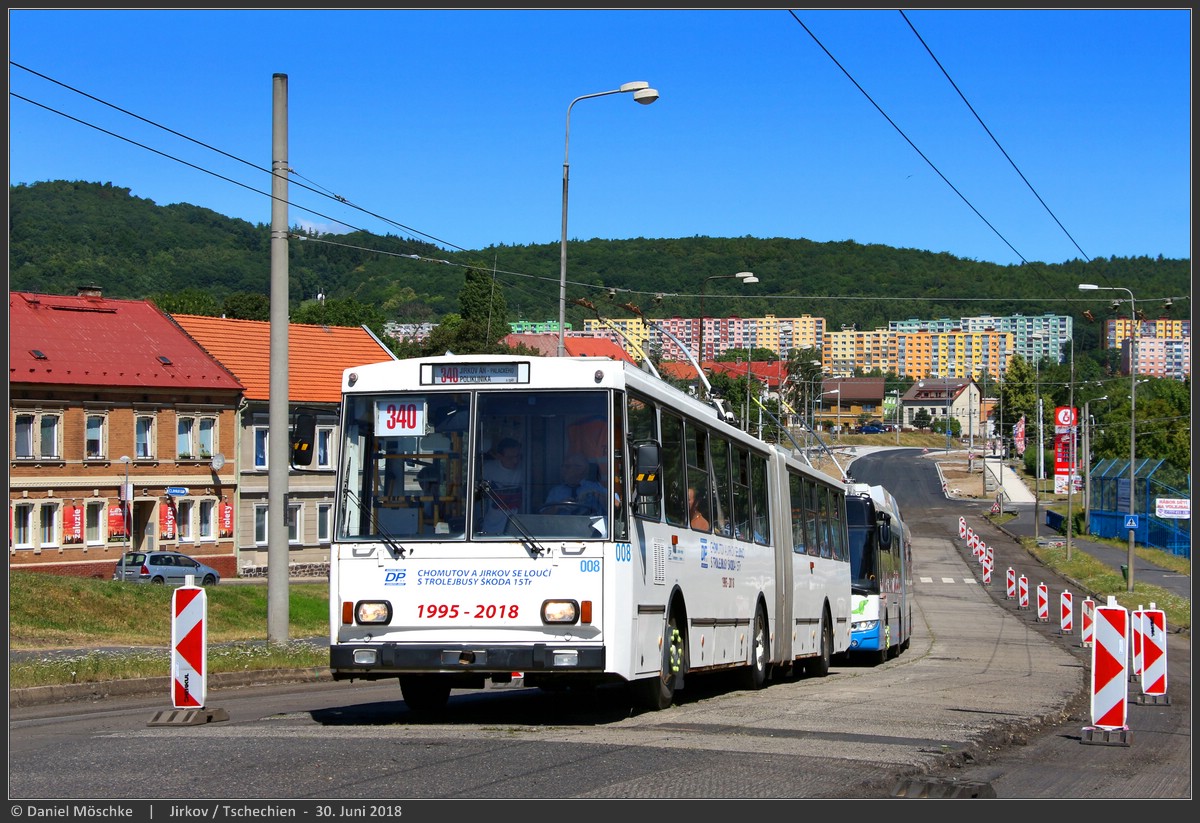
[260,447]
[324,522]
[95,444]
[35,435]
[208,519]
[260,525]
[324,447]
[93,518]
[184,449]
[23,526]
[293,523]
[48,526]
[207,437]
[144,437]
[183,521]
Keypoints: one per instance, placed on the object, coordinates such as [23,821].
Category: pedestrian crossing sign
[1131,521]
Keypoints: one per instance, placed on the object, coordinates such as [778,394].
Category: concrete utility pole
[279,443]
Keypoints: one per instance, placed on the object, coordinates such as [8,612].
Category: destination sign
[465,374]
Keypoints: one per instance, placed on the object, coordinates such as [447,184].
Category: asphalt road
[987,701]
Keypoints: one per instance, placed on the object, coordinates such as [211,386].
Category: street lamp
[125,502]
[1087,457]
[949,368]
[643,94]
[1132,418]
[837,430]
[1040,465]
[743,276]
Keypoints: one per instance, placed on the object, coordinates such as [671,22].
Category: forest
[65,234]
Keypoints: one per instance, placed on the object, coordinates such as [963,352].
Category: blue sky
[451,123]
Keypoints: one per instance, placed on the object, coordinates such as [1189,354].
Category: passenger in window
[697,510]
[506,479]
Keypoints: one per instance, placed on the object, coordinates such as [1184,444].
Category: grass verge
[127,629]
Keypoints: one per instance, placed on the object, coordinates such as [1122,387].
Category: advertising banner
[72,524]
[116,521]
[226,518]
[166,521]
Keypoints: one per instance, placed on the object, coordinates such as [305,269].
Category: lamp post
[1087,457]
[949,368]
[1071,470]
[643,94]
[897,415]
[1132,421]
[1040,464]
[837,428]
[125,503]
[743,276]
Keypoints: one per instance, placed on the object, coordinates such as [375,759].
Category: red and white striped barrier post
[1010,583]
[1087,616]
[976,545]
[982,550]
[189,660]
[1135,642]
[1109,680]
[1154,657]
[989,560]
[189,647]
[1022,592]
[1065,607]
[1043,603]
[962,528]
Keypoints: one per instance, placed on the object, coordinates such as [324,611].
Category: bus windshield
[479,465]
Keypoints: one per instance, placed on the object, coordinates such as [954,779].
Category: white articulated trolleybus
[458,558]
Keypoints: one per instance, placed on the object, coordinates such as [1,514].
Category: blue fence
[1109,506]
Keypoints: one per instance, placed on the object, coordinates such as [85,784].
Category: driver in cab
[576,494]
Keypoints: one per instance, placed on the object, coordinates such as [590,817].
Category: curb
[147,686]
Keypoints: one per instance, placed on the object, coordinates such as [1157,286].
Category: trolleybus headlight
[373,611]
[864,625]
[560,611]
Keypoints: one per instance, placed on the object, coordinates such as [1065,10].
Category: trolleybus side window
[674,477]
[741,512]
[722,491]
[760,500]
[796,501]
[696,457]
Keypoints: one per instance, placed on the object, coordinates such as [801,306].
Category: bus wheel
[657,693]
[819,666]
[425,694]
[755,675]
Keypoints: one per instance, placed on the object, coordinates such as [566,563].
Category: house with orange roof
[576,346]
[317,357]
[118,427]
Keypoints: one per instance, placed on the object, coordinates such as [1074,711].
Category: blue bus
[880,574]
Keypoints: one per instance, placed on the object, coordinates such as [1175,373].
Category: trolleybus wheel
[657,693]
[819,666]
[755,675]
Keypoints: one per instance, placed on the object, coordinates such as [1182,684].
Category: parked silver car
[163,568]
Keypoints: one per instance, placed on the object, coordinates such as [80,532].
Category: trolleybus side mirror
[647,463]
[885,528]
[304,436]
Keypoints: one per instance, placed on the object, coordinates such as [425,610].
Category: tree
[921,419]
[189,301]
[247,306]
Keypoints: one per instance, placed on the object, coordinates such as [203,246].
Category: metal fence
[1108,505]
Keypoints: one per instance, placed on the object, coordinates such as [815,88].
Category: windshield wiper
[395,548]
[530,543]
